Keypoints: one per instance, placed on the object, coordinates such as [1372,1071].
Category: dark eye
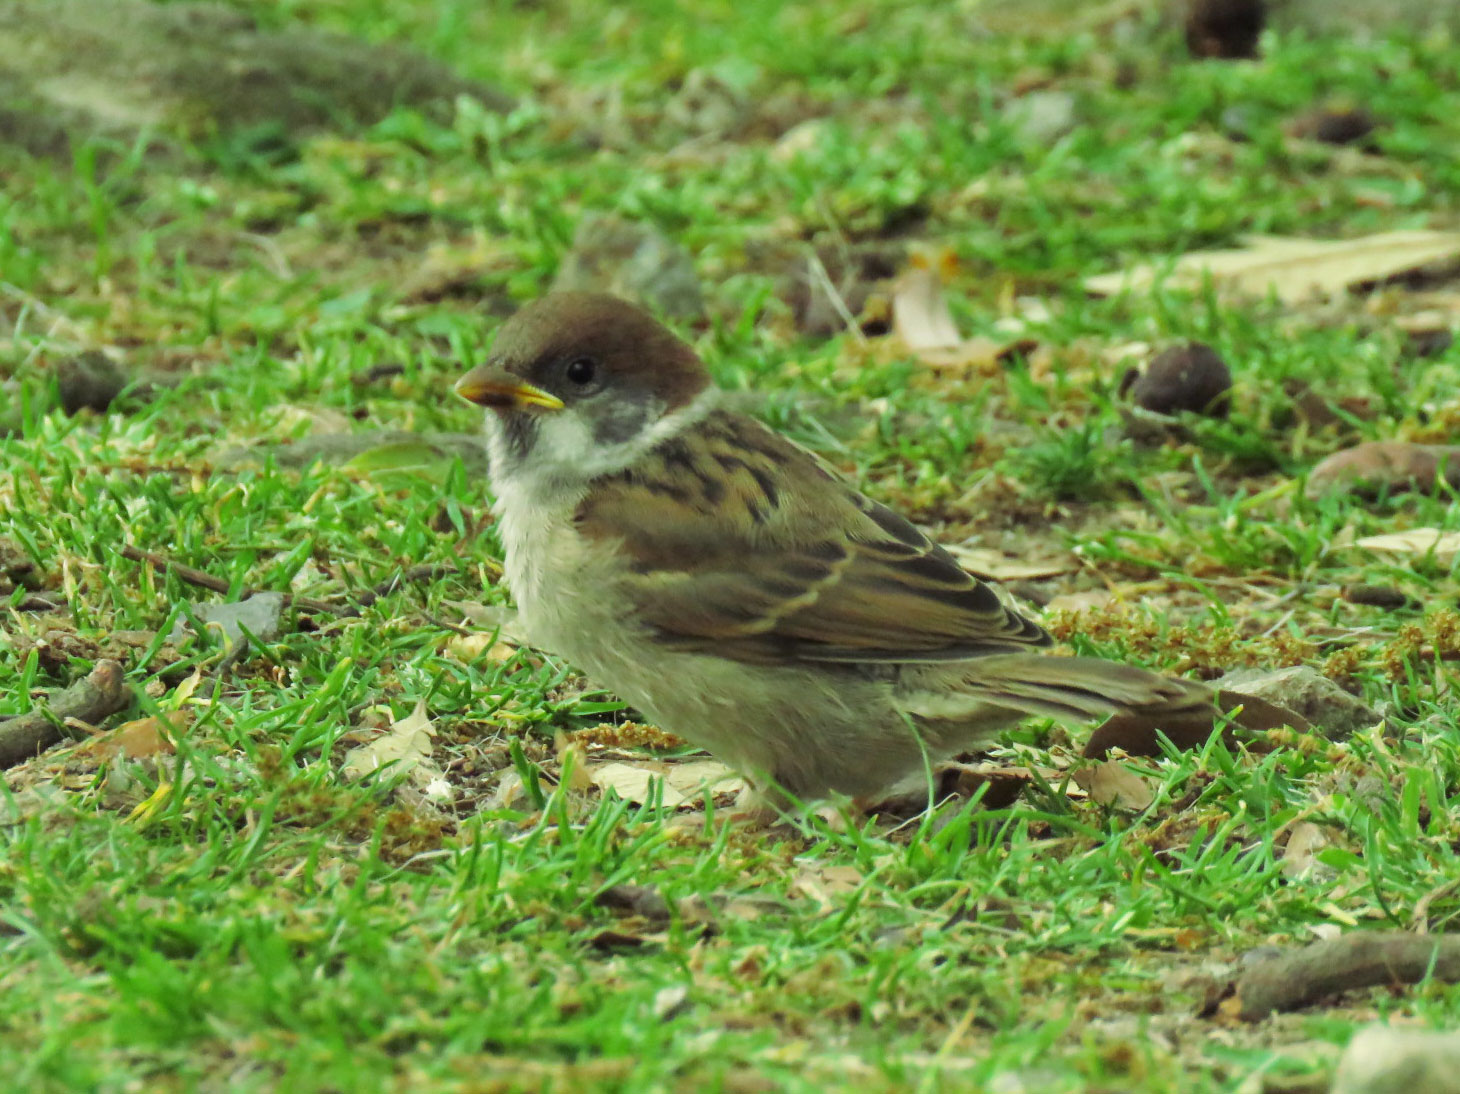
[581,371]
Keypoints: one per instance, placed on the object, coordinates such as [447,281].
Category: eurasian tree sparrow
[717,577]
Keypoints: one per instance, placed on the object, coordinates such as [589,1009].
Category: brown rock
[1227,29]
[1318,412]
[1427,343]
[89,381]
[635,261]
[1190,377]
[820,285]
[1379,596]
[1335,126]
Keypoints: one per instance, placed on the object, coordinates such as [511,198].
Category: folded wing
[745,547]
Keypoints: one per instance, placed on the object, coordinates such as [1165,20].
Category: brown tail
[1080,688]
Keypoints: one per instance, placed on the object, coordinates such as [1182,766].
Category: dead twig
[185,573]
[204,580]
[89,700]
[424,572]
[39,602]
[1361,959]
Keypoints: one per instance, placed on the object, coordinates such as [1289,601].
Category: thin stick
[88,700]
[424,572]
[204,580]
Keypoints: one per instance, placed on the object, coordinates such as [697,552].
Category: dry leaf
[572,763]
[821,883]
[998,566]
[507,793]
[1417,543]
[406,746]
[1138,734]
[468,648]
[139,738]
[1293,269]
[920,314]
[1085,600]
[1304,842]
[683,783]
[186,689]
[922,322]
[1110,782]
[1394,466]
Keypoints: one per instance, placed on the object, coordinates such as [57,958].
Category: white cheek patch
[565,454]
[564,442]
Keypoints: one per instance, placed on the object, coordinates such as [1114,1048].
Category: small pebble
[1190,377]
[1344,126]
[1225,29]
[1379,596]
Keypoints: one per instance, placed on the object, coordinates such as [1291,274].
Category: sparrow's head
[574,380]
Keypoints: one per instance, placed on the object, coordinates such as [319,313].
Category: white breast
[561,581]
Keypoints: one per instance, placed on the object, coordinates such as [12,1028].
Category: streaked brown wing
[744,546]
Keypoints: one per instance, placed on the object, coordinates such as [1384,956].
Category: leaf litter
[1294,270]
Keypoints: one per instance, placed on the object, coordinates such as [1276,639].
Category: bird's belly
[563,586]
[813,729]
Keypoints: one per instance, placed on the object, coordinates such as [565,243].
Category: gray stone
[1384,1060]
[261,616]
[1334,712]
[1365,17]
[1042,117]
[72,68]
[634,261]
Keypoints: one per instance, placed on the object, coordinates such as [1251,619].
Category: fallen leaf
[920,314]
[1433,543]
[922,322]
[405,745]
[139,738]
[1292,269]
[507,793]
[998,566]
[1305,840]
[147,809]
[1395,466]
[683,783]
[1139,734]
[573,763]
[1085,600]
[186,689]
[821,882]
[1110,782]
[488,645]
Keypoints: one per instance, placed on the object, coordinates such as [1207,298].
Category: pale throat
[553,456]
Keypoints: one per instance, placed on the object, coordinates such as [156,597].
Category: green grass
[242,915]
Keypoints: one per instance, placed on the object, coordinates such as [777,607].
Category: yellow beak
[500,390]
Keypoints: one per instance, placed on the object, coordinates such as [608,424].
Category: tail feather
[1078,688]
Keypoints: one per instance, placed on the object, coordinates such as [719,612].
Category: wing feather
[746,547]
